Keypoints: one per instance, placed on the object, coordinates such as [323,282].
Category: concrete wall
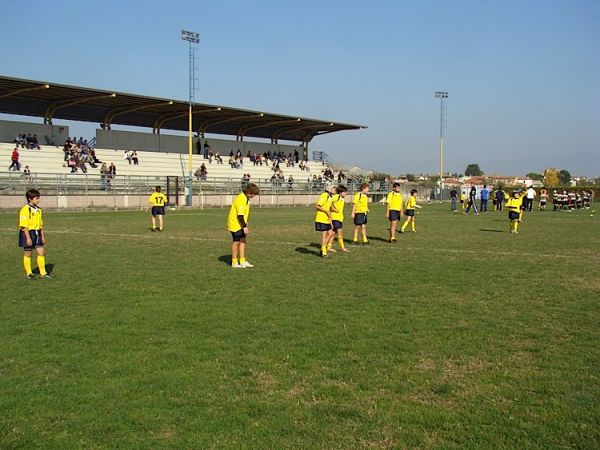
[46,134]
[130,140]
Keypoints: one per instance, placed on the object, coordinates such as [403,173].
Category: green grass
[459,336]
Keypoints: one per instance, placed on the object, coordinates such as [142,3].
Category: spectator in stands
[203,172]
[104,176]
[14,161]
[245,180]
[206,149]
[127,156]
[296,156]
[19,140]
[93,158]
[112,169]
[134,158]
[290,183]
[34,142]
[199,147]
[27,173]
[72,163]
[302,165]
[218,158]
[231,161]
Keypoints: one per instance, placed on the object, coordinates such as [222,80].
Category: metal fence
[15,183]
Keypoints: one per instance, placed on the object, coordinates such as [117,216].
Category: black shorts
[394,215]
[513,215]
[36,240]
[238,235]
[158,210]
[336,224]
[360,219]
[322,226]
[410,212]
[543,202]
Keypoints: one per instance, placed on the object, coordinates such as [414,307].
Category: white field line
[301,244]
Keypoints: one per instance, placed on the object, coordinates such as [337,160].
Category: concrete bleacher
[50,160]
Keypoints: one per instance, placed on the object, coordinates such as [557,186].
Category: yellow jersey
[514,204]
[337,202]
[30,217]
[239,207]
[394,201]
[324,202]
[361,203]
[158,199]
[411,203]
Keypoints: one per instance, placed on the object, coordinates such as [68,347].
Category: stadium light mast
[193,39]
[442,95]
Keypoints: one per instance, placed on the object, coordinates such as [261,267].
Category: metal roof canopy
[57,101]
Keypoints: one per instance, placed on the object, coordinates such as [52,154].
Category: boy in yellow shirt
[409,210]
[31,234]
[158,200]
[514,204]
[360,209]
[237,224]
[337,217]
[323,221]
[394,209]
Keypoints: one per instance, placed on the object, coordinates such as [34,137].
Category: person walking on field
[472,201]
[14,161]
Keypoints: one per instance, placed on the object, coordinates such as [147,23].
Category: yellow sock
[355,237]
[41,262]
[516,226]
[27,264]
[412,225]
[242,260]
[234,262]
[323,250]
[404,225]
[329,246]
[341,242]
[365,239]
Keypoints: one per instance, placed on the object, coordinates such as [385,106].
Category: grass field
[459,336]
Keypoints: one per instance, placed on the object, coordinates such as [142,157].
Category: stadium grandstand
[220,165]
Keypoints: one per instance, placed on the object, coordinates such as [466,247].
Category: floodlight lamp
[190,36]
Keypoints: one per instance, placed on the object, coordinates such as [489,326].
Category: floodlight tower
[193,40]
[442,95]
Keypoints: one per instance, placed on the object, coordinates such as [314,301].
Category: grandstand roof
[58,101]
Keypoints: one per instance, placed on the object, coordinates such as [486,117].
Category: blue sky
[522,76]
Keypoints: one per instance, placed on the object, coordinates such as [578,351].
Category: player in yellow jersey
[514,204]
[237,224]
[409,210]
[158,200]
[463,198]
[31,234]
[323,221]
[337,217]
[360,209]
[394,209]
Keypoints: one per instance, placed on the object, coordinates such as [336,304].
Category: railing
[320,156]
[15,183]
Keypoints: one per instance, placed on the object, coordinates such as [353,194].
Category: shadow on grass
[491,231]
[49,269]
[307,251]
[375,238]
[225,259]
